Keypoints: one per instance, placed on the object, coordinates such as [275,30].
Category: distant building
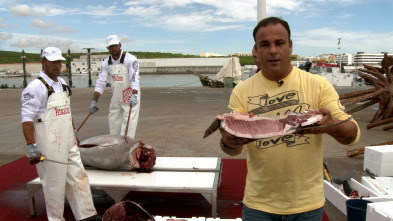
[17,68]
[345,59]
[369,59]
[206,54]
[80,65]
[203,65]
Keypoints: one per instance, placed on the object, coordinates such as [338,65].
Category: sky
[194,26]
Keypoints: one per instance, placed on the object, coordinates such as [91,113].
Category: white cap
[52,54]
[112,40]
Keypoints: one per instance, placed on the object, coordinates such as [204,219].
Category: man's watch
[225,146]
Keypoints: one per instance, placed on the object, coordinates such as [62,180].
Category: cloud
[41,24]
[24,11]
[4,24]
[125,38]
[43,42]
[143,11]
[60,29]
[5,36]
[100,10]
[324,40]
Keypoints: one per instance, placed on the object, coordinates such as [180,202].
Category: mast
[261,14]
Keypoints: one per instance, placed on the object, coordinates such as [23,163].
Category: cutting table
[170,174]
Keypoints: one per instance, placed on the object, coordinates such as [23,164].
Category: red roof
[327,65]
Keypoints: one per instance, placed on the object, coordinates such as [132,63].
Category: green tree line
[7,57]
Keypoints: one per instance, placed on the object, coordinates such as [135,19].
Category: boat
[231,73]
[228,76]
[332,72]
[204,79]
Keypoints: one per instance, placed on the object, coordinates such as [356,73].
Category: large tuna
[113,152]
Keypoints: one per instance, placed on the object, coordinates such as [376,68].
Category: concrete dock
[173,121]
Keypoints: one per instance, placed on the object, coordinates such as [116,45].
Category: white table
[170,174]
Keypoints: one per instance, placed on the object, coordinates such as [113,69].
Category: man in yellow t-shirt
[285,178]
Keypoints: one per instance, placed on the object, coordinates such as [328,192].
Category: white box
[164,218]
[380,211]
[386,183]
[218,219]
[379,160]
[338,198]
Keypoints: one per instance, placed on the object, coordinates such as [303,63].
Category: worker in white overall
[123,69]
[48,130]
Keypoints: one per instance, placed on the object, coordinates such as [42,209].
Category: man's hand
[345,132]
[327,119]
[133,100]
[231,144]
[232,141]
[33,154]
[93,107]
[76,137]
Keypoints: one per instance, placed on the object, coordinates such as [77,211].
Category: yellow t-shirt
[285,172]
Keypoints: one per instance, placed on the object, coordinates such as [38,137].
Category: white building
[369,59]
[207,54]
[345,59]
[158,65]
[80,65]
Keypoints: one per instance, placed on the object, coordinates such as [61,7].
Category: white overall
[120,107]
[55,139]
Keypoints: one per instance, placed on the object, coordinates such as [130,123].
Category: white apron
[55,139]
[119,106]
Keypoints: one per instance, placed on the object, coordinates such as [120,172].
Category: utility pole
[42,65]
[24,69]
[69,68]
[88,64]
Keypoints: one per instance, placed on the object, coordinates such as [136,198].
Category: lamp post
[69,68]
[88,64]
[42,65]
[24,69]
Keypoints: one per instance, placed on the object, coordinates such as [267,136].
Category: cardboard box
[379,160]
[383,186]
[338,198]
[380,211]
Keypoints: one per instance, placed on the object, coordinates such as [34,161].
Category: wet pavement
[173,121]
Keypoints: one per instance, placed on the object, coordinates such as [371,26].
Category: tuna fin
[212,128]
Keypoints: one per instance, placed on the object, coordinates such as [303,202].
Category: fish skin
[112,152]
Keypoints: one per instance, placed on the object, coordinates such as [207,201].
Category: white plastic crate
[338,198]
[379,160]
[164,218]
[382,211]
[383,186]
[218,219]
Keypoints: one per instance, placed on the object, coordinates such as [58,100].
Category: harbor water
[146,80]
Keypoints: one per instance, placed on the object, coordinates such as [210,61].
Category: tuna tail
[212,128]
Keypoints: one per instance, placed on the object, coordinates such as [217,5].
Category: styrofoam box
[338,198]
[379,160]
[218,219]
[385,182]
[380,211]
[164,218]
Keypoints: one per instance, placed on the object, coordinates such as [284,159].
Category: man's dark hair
[271,20]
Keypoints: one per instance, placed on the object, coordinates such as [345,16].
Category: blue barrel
[356,209]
